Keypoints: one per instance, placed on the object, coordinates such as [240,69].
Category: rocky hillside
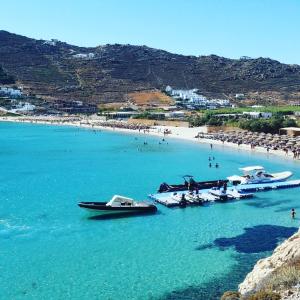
[56,70]
[5,78]
[279,273]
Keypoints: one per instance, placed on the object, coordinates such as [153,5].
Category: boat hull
[200,185]
[276,177]
[101,208]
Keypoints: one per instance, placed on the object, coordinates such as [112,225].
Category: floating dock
[242,189]
[168,200]
[259,187]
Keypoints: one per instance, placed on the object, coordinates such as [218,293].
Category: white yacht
[257,174]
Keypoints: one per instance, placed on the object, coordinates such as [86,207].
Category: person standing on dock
[293,213]
[182,202]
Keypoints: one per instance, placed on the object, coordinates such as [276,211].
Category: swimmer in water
[209,159]
[217,165]
[209,165]
[293,213]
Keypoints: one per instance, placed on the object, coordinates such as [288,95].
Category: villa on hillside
[191,99]
[11,92]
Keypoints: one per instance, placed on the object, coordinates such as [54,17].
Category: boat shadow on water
[112,216]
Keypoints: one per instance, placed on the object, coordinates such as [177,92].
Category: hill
[57,70]
[5,78]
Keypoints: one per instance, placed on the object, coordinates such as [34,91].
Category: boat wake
[9,230]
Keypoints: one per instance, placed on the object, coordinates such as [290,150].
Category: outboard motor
[164,187]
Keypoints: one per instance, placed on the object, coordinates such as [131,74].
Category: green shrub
[264,295]
[231,295]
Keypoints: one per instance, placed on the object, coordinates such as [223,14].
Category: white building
[239,96]
[168,89]
[84,55]
[192,99]
[23,108]
[10,92]
[52,42]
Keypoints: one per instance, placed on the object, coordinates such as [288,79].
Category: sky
[229,28]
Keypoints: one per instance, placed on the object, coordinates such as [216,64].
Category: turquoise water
[51,249]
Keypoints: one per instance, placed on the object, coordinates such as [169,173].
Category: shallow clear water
[51,249]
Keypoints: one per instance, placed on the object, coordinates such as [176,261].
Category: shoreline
[182,133]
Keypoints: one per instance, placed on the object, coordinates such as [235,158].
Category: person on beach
[293,213]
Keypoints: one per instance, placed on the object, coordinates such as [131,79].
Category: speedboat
[118,204]
[257,174]
[190,184]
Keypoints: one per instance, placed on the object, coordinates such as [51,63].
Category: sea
[52,249]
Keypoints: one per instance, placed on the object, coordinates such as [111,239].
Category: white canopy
[252,168]
[235,178]
[116,200]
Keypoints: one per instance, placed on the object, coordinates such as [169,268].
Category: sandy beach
[183,133]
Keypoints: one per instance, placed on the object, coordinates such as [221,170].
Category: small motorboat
[118,204]
[190,184]
[257,174]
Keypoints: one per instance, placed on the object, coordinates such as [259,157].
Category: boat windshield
[120,201]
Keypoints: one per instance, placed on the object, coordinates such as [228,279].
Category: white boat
[257,174]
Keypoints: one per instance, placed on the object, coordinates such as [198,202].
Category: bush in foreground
[264,295]
[231,295]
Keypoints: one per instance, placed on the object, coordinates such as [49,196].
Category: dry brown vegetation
[279,281]
[283,278]
[150,98]
[111,106]
[265,295]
